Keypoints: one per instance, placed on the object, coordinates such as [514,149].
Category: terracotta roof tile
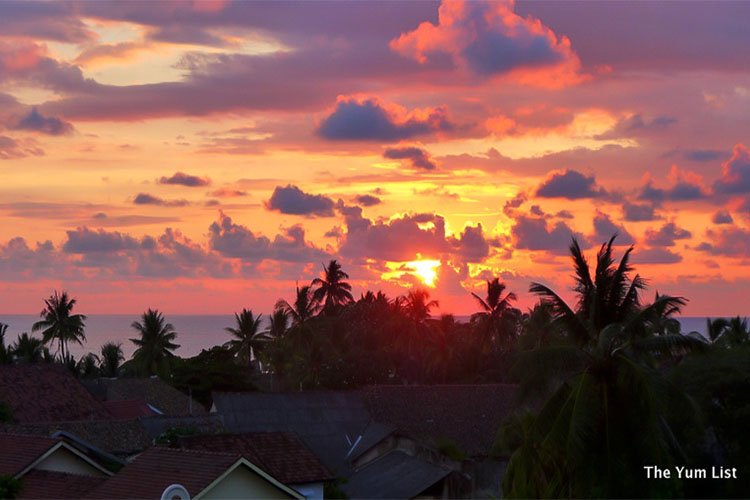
[281,454]
[47,393]
[18,452]
[49,484]
[156,468]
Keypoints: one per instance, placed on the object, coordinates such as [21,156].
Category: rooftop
[155,392]
[282,454]
[20,451]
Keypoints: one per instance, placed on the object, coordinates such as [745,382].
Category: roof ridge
[194,451]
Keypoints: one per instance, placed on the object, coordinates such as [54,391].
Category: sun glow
[425,270]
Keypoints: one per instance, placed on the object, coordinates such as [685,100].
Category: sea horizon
[195,332]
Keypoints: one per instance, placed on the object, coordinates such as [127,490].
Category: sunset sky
[201,157]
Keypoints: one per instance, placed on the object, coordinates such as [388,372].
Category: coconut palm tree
[610,409]
[5,355]
[28,349]
[111,357]
[279,323]
[417,305]
[729,333]
[331,290]
[498,318]
[248,340]
[303,309]
[156,343]
[58,324]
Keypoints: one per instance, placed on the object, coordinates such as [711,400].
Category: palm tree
[156,343]
[88,366]
[417,306]
[304,307]
[28,349]
[331,290]
[729,333]
[279,323]
[497,315]
[610,409]
[111,358]
[5,355]
[59,324]
[248,339]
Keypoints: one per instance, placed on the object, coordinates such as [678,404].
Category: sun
[425,270]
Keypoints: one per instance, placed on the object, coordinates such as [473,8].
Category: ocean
[194,332]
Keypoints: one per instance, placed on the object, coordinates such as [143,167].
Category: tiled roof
[468,415]
[281,454]
[49,484]
[156,468]
[123,410]
[46,393]
[152,390]
[120,437]
[394,475]
[327,421]
[18,452]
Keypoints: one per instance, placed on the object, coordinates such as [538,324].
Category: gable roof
[468,415]
[47,393]
[154,391]
[156,468]
[282,454]
[394,475]
[18,452]
[51,484]
[328,422]
[119,437]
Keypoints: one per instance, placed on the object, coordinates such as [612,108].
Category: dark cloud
[84,240]
[703,155]
[373,120]
[656,256]
[636,125]
[666,235]
[722,217]
[735,173]
[634,212]
[472,245]
[367,200]
[237,241]
[569,184]
[604,229]
[487,37]
[684,186]
[148,199]
[532,233]
[49,125]
[183,179]
[732,242]
[418,157]
[292,200]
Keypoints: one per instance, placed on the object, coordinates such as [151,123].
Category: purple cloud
[569,184]
[292,200]
[418,157]
[148,199]
[183,179]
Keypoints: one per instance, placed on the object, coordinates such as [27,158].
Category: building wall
[63,460]
[243,483]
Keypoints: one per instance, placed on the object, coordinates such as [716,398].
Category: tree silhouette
[156,343]
[248,339]
[111,358]
[331,290]
[58,324]
[303,309]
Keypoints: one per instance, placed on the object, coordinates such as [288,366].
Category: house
[143,397]
[179,473]
[49,467]
[430,441]
[47,393]
[281,454]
